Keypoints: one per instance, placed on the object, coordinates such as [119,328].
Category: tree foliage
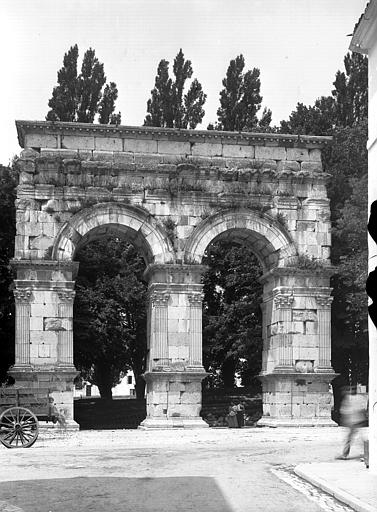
[110,314]
[232,340]
[7,234]
[80,97]
[169,106]
[240,100]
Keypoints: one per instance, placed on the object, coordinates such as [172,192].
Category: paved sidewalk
[349,481]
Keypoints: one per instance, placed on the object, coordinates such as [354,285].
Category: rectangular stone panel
[273,153]
[140,146]
[173,147]
[108,144]
[77,142]
[238,151]
[206,149]
[35,140]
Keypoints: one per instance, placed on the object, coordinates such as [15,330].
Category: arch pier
[171,193]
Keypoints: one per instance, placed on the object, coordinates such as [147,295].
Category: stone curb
[303,471]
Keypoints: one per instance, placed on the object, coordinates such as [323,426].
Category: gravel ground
[218,470]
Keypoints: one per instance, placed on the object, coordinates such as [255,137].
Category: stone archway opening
[232,320]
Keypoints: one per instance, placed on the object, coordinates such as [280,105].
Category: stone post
[65,337]
[22,345]
[324,331]
[159,352]
[195,329]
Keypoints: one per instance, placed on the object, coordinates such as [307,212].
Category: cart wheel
[18,428]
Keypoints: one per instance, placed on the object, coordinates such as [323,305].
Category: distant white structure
[125,389]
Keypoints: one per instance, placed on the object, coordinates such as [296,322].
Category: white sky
[297,44]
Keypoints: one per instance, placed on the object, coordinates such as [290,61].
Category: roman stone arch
[97,221]
[171,192]
[271,244]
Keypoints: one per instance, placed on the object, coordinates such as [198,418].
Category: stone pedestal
[174,400]
[57,382]
[297,399]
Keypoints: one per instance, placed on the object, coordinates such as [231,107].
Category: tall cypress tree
[240,99]
[81,97]
[168,106]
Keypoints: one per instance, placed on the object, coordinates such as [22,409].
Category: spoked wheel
[18,428]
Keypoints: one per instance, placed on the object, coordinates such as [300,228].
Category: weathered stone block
[238,151]
[288,165]
[315,155]
[206,149]
[36,140]
[299,154]
[173,147]
[270,153]
[304,225]
[140,146]
[311,166]
[77,142]
[108,144]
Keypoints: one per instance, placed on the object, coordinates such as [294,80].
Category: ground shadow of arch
[270,241]
[97,221]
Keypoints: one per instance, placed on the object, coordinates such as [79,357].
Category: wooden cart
[20,410]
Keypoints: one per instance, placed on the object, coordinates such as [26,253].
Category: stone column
[159,351]
[324,331]
[65,335]
[283,304]
[195,330]
[22,345]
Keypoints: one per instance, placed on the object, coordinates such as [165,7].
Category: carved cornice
[66,295]
[142,132]
[22,295]
[324,301]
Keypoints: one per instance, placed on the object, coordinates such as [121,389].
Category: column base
[266,421]
[170,423]
[70,426]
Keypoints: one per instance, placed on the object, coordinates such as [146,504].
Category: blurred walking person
[353,416]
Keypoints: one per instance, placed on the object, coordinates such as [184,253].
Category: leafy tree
[231,314]
[318,119]
[168,106]
[350,318]
[7,234]
[240,100]
[80,97]
[110,314]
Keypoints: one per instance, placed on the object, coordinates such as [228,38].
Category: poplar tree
[240,99]
[169,106]
[80,97]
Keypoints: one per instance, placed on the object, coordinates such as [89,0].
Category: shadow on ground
[84,494]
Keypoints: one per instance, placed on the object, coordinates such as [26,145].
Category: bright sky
[297,44]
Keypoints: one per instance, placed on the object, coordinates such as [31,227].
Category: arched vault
[271,244]
[102,219]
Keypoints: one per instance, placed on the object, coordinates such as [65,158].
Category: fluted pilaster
[324,330]
[283,306]
[65,337]
[195,353]
[159,351]
[23,298]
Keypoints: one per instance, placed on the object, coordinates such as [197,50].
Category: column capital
[160,298]
[283,300]
[324,301]
[22,295]
[66,295]
[195,299]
